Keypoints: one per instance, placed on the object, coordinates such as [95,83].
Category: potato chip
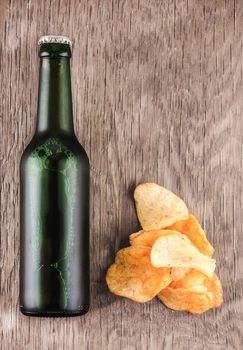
[147,239]
[194,301]
[195,293]
[132,275]
[196,278]
[176,250]
[192,229]
[157,207]
[214,285]
[177,273]
[191,279]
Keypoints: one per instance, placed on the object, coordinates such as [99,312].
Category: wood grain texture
[158,96]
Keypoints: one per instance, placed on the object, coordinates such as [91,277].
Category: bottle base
[45,313]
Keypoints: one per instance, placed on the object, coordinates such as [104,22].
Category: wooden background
[158,96]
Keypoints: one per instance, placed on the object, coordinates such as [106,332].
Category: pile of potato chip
[171,257]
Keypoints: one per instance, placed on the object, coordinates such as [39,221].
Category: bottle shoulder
[49,146]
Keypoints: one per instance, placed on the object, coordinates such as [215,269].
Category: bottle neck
[55,113]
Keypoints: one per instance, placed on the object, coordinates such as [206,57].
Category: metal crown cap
[54,39]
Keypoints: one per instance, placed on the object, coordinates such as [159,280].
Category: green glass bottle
[54,198]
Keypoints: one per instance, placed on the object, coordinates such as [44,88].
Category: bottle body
[54,203]
[54,262]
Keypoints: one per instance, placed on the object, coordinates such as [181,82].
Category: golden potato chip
[147,238]
[192,229]
[196,278]
[176,250]
[157,207]
[194,301]
[214,285]
[191,279]
[132,275]
[177,273]
[195,293]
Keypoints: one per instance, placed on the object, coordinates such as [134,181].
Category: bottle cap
[54,39]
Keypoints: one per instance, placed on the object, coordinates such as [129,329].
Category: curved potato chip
[215,286]
[132,275]
[147,239]
[135,234]
[195,278]
[194,301]
[177,273]
[176,250]
[157,207]
[192,229]
[191,295]
[191,279]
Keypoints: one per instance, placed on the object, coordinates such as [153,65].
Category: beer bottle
[54,197]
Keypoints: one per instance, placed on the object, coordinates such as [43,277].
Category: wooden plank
[157,92]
